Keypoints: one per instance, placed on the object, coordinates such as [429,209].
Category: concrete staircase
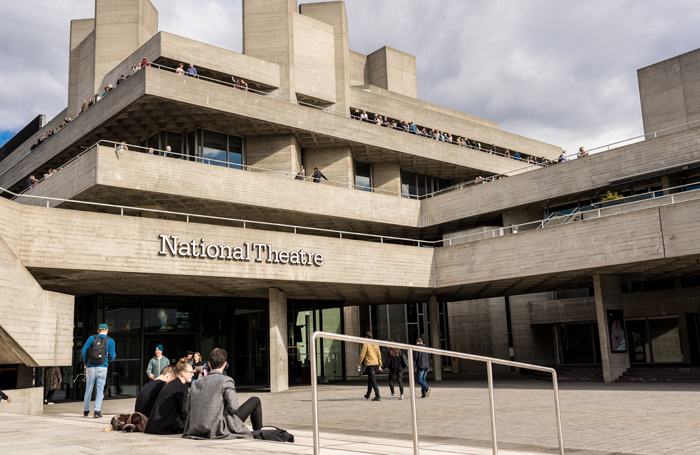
[662,374]
[569,373]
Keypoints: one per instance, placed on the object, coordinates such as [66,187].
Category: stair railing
[411,348]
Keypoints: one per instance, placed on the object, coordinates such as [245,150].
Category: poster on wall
[616,329]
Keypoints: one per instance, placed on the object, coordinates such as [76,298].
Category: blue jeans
[421,375]
[99,375]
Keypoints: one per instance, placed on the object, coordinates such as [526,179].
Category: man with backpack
[97,352]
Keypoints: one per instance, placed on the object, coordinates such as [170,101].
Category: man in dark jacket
[170,410]
[147,396]
[317,175]
[422,360]
[217,414]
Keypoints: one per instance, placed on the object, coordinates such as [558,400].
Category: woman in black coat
[170,410]
[394,362]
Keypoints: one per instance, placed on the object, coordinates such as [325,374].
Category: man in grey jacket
[212,407]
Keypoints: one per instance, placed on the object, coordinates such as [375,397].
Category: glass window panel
[364,320]
[408,184]
[174,140]
[332,349]
[422,188]
[214,148]
[665,340]
[235,152]
[576,343]
[251,333]
[170,314]
[191,144]
[397,323]
[444,183]
[362,176]
[153,141]
[123,315]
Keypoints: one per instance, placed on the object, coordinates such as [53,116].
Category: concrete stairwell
[36,326]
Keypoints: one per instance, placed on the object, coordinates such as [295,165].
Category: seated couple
[210,412]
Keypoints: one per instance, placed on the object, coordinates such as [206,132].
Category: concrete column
[280,153]
[333,13]
[669,181]
[336,163]
[435,335]
[279,362]
[79,31]
[608,296]
[386,175]
[352,350]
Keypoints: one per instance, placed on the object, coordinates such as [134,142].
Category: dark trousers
[399,379]
[253,409]
[49,395]
[372,380]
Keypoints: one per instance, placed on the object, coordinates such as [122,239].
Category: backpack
[97,353]
[129,423]
[277,434]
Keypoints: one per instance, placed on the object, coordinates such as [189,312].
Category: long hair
[394,352]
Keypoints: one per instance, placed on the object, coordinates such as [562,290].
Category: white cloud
[560,72]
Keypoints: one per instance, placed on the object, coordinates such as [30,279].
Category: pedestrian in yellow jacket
[371,357]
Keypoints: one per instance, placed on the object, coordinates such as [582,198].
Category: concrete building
[179,215]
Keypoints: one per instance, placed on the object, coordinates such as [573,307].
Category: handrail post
[314,395]
[560,436]
[489,369]
[414,417]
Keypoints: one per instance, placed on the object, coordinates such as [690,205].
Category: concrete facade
[670,93]
[130,220]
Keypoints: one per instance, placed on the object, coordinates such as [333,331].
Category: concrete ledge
[24,401]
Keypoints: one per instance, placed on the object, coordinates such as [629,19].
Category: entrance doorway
[654,340]
[577,343]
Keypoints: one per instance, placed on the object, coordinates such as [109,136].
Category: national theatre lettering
[262,252]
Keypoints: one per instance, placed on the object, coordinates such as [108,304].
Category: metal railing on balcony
[489,361]
[551,221]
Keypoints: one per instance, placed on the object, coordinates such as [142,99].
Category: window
[363,172]
[214,148]
[235,152]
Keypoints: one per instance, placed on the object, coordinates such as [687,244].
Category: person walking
[97,352]
[52,382]
[156,364]
[422,360]
[371,357]
[395,364]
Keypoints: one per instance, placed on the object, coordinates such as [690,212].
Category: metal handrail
[301,103]
[410,347]
[427,243]
[643,136]
[200,159]
[522,158]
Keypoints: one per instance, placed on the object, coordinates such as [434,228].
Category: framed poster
[616,330]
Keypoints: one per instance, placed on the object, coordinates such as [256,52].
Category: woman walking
[395,364]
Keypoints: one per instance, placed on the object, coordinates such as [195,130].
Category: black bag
[277,434]
[97,353]
[404,361]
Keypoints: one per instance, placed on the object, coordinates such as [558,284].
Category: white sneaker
[392,396]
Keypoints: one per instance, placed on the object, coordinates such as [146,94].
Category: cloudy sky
[562,72]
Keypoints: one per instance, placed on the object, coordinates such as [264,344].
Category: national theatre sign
[262,252]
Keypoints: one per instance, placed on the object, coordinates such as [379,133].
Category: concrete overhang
[148,181]
[153,100]
[583,177]
[78,252]
[384,102]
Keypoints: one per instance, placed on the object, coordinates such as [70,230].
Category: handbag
[277,434]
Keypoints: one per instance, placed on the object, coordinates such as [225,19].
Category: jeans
[372,380]
[421,374]
[99,375]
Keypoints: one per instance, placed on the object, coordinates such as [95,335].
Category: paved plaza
[598,419]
